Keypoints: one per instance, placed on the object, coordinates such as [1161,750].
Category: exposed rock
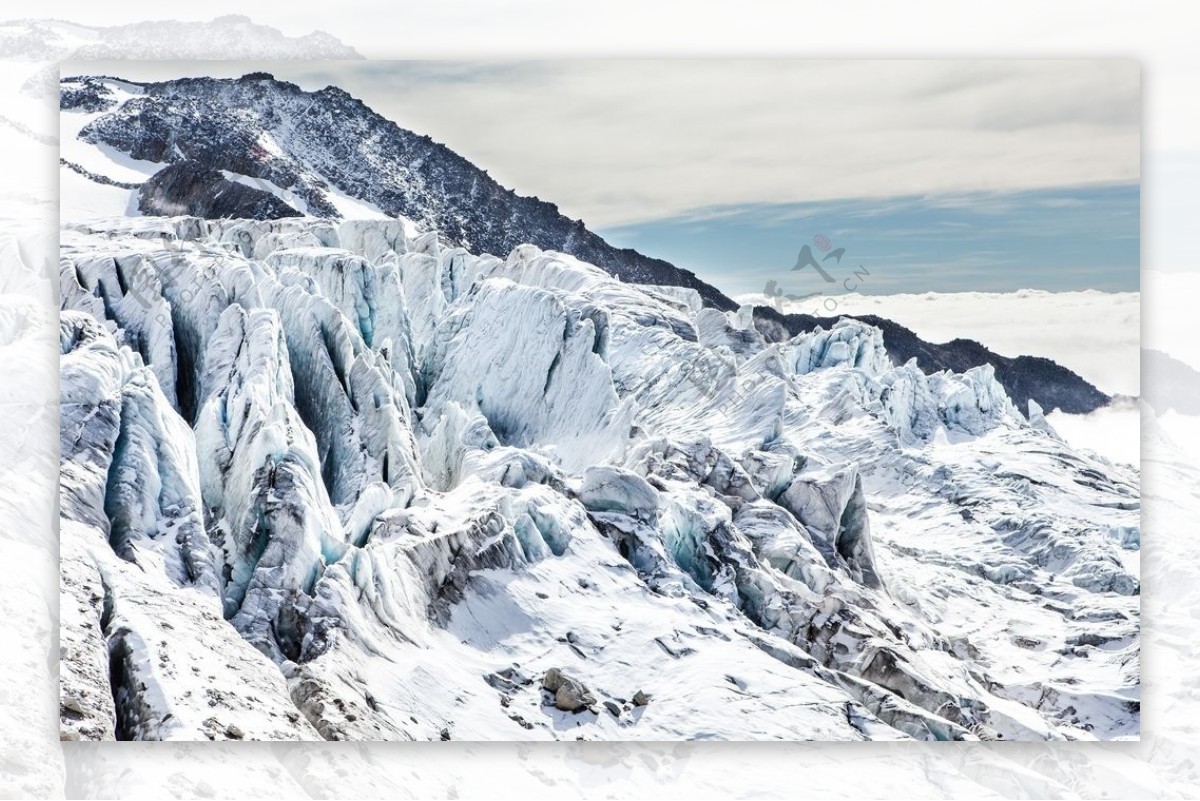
[570,694]
[188,187]
[552,680]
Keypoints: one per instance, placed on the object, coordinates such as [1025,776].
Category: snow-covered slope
[345,481]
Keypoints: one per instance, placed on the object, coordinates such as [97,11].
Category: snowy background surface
[1161,765]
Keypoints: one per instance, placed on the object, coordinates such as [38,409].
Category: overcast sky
[641,149]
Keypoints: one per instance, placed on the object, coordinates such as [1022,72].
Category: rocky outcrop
[570,694]
[191,188]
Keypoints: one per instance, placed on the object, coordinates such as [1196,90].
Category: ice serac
[125,288]
[395,485]
[146,652]
[138,479]
[268,507]
[370,297]
[373,239]
[348,394]
[541,384]
[847,343]
[831,506]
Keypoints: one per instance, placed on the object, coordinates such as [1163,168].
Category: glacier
[352,481]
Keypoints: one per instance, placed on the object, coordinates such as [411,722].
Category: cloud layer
[615,142]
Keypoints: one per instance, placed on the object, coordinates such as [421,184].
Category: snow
[84,198]
[354,209]
[290,198]
[398,483]
[101,159]
[348,207]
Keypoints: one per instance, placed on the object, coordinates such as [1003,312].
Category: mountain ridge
[428,182]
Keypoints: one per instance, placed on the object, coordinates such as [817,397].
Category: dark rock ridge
[86,94]
[100,179]
[316,143]
[1024,378]
[190,188]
